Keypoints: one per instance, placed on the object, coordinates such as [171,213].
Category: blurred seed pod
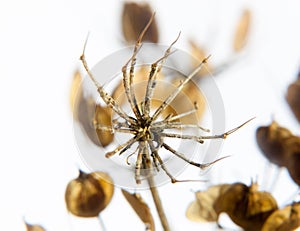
[293,167]
[31,227]
[285,219]
[89,194]
[76,88]
[272,140]
[135,17]
[202,209]
[246,206]
[88,113]
[293,97]
[199,53]
[141,208]
[103,116]
[242,31]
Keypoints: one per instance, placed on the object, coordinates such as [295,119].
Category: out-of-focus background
[40,45]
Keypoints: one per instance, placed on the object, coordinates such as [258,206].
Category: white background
[40,43]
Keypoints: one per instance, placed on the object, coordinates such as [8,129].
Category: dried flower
[89,194]
[134,19]
[149,130]
[199,53]
[141,209]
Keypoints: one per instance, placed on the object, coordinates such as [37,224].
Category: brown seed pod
[31,227]
[103,117]
[286,219]
[293,98]
[242,31]
[141,208]
[246,206]
[89,114]
[75,90]
[272,140]
[293,167]
[202,209]
[135,17]
[89,194]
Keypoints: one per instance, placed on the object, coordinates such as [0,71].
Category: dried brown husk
[89,194]
[76,89]
[293,98]
[273,141]
[246,206]
[285,219]
[32,227]
[199,54]
[141,208]
[88,113]
[293,166]
[103,116]
[242,31]
[202,209]
[135,17]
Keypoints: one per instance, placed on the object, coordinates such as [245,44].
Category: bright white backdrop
[40,43]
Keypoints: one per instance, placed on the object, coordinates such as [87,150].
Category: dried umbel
[141,209]
[245,205]
[146,126]
[135,17]
[293,97]
[89,194]
[285,219]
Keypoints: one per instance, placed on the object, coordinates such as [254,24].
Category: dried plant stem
[101,223]
[158,204]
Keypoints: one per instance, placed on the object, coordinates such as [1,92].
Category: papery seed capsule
[285,219]
[31,227]
[293,98]
[272,141]
[89,194]
[246,206]
[135,17]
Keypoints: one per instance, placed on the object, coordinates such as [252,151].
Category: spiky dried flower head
[150,126]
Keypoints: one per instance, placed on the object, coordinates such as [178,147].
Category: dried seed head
[272,141]
[31,227]
[89,194]
[135,16]
[246,206]
[285,219]
[202,209]
[242,31]
[293,97]
[141,208]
